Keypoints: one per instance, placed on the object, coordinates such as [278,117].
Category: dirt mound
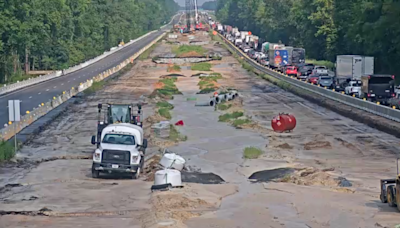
[285,146]
[315,177]
[317,145]
[151,167]
[159,85]
[176,202]
[190,54]
[275,142]
[172,210]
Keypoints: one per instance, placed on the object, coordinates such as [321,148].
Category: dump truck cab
[120,141]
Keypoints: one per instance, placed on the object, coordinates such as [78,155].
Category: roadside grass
[6,151]
[252,152]
[206,90]
[164,104]
[330,65]
[164,112]
[208,83]
[201,66]
[223,106]
[174,68]
[175,136]
[146,54]
[183,49]
[247,67]
[239,122]
[96,86]
[168,89]
[229,116]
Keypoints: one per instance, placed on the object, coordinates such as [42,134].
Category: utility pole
[196,12]
[187,6]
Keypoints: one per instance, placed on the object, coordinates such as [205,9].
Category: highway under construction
[234,168]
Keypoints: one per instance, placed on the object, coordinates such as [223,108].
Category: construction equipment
[390,190]
[120,141]
[118,113]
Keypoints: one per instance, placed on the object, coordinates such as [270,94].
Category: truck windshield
[119,139]
[380,80]
[120,113]
[355,83]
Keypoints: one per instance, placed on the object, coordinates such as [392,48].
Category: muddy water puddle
[271,175]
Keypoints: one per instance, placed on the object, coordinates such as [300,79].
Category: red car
[313,79]
[291,71]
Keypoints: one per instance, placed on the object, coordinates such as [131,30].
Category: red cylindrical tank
[283,122]
[291,122]
[278,124]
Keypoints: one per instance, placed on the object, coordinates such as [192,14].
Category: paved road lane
[34,95]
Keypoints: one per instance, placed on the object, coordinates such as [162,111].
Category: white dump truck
[120,142]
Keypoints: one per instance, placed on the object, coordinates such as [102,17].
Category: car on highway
[291,70]
[325,81]
[251,53]
[264,61]
[305,70]
[319,70]
[258,55]
[353,88]
[312,79]
[246,49]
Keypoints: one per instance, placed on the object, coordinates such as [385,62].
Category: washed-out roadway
[356,152]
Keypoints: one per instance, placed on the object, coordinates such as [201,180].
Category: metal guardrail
[371,107]
[30,117]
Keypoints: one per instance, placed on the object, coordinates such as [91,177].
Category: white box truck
[354,66]
[243,34]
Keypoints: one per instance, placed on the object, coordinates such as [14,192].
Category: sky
[200,2]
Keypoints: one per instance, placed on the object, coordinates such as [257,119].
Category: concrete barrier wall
[30,117]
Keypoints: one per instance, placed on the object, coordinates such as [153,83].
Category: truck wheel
[398,196]
[390,196]
[383,197]
[95,173]
[136,175]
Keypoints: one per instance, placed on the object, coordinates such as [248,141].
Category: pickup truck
[377,87]
[319,70]
[354,87]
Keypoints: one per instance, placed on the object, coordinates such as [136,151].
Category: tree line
[325,28]
[210,5]
[57,34]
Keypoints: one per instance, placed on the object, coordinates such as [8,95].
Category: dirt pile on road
[190,54]
[151,167]
[276,143]
[171,210]
[314,177]
[318,142]
[317,145]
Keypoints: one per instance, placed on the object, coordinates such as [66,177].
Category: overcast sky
[200,2]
